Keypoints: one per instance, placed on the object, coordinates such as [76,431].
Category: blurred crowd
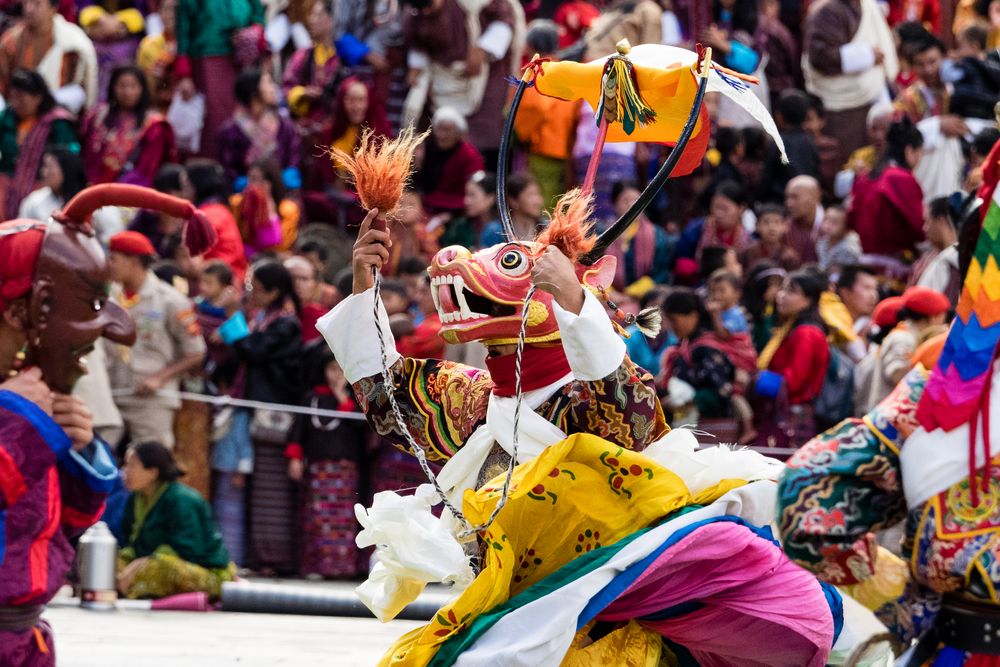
[793,293]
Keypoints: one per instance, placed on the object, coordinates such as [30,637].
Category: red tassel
[199,235]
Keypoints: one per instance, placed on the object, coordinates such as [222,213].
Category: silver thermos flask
[98,558]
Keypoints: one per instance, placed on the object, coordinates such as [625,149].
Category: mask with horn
[651,93]
[68,308]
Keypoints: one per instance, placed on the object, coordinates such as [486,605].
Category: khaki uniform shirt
[166,331]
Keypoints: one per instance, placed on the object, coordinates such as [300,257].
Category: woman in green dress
[170,541]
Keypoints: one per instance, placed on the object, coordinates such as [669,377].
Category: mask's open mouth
[456,303]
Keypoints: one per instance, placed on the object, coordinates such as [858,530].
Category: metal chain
[418,451]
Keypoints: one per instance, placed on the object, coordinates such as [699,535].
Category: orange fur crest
[569,228]
[380,167]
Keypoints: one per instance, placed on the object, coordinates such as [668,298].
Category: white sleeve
[350,331]
[856,57]
[496,39]
[417,60]
[593,348]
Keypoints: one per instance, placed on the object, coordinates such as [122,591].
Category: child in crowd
[397,306]
[215,286]
[327,455]
[724,293]
[838,245]
[729,320]
[771,243]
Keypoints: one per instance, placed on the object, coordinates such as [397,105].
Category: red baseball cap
[132,243]
[925,301]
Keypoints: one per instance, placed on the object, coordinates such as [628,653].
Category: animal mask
[480,296]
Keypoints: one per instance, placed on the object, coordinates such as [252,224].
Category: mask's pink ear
[600,274]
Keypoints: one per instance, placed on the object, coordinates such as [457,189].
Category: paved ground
[130,637]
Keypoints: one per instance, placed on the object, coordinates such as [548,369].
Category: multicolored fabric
[443,402]
[960,378]
[578,496]
[845,484]
[328,523]
[48,494]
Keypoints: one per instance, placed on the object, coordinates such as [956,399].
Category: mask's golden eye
[513,262]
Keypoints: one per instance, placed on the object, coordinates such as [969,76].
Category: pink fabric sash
[759,608]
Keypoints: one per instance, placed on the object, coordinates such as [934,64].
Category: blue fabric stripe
[50,432]
[3,534]
[99,472]
[628,576]
[836,604]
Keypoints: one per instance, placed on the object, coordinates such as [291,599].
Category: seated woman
[448,162]
[796,356]
[126,140]
[29,126]
[645,252]
[887,204]
[257,130]
[524,198]
[480,226]
[170,542]
[722,228]
[698,359]
[115,27]
[326,194]
[62,177]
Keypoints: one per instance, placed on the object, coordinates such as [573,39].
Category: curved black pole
[503,158]
[616,230]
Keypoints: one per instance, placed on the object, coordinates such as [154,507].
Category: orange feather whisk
[570,226]
[380,168]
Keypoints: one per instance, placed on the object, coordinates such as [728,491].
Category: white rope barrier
[224,401]
[243,403]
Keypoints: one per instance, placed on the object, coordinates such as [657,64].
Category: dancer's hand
[554,273]
[30,386]
[75,418]
[371,251]
[295,469]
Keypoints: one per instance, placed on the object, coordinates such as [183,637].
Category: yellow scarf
[777,338]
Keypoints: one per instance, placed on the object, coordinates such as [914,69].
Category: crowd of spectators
[793,294]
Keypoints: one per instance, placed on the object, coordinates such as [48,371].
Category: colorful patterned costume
[617,539]
[921,456]
[49,493]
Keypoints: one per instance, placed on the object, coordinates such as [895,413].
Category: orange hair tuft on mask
[570,226]
[380,168]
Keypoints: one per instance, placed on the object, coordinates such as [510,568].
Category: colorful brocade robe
[846,484]
[445,402]
[48,493]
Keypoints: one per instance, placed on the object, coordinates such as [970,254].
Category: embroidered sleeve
[622,408]
[441,402]
[837,490]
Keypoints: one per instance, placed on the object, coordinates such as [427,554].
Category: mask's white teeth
[449,279]
[463,307]
[436,295]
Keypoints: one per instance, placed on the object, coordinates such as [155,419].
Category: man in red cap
[921,314]
[169,343]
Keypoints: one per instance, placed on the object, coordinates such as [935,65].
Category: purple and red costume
[49,493]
